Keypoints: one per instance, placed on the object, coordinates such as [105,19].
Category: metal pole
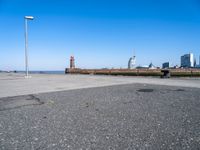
[26,47]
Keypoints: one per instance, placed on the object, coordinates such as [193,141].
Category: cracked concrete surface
[98,112]
[15,84]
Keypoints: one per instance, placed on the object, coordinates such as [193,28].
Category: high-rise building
[198,65]
[132,62]
[187,60]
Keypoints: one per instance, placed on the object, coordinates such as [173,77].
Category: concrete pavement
[98,112]
[15,84]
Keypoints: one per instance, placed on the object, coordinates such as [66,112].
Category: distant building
[187,61]
[151,66]
[198,66]
[176,66]
[199,61]
[72,62]
[165,65]
[132,62]
[142,67]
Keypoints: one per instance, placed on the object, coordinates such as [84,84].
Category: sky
[98,33]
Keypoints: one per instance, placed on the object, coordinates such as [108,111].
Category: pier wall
[135,72]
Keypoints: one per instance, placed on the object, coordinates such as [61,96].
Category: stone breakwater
[190,72]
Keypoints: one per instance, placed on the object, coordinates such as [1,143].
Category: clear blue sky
[99,33]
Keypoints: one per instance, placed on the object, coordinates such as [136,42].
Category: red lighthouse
[72,62]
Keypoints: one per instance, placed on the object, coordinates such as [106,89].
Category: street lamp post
[26,18]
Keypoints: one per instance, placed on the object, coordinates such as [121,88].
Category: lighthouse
[72,62]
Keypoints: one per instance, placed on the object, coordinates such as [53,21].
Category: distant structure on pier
[72,62]
[132,62]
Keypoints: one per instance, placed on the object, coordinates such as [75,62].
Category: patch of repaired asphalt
[179,90]
[18,102]
[145,90]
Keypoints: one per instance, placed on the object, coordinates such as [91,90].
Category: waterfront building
[198,65]
[195,63]
[187,60]
[151,66]
[142,67]
[132,62]
[176,67]
[165,65]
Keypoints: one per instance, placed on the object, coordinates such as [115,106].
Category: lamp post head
[29,17]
